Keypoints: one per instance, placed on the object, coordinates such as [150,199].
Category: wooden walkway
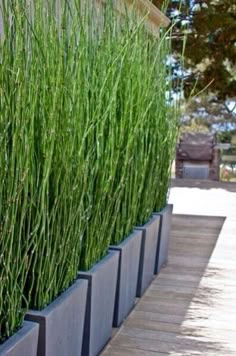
[190,308]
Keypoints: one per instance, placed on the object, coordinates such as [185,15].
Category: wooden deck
[190,308]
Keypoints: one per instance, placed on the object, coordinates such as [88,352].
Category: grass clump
[86,143]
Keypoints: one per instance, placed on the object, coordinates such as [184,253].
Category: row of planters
[87,140]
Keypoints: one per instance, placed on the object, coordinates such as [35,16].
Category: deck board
[190,307]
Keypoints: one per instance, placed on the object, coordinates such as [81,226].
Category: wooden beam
[142,8]
[154,14]
[154,18]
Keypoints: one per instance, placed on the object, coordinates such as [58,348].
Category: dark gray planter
[23,343]
[148,253]
[102,280]
[129,251]
[164,237]
[62,322]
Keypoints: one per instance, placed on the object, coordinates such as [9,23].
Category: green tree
[210,51]
[208,30]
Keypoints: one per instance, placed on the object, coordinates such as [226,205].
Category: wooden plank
[160,317]
[123,351]
[195,233]
[170,288]
[160,295]
[141,344]
[202,292]
[195,251]
[172,268]
[218,330]
[170,337]
[154,325]
[210,222]
[188,261]
[180,240]
[177,319]
[175,275]
[216,220]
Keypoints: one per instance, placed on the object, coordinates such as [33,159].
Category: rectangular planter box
[129,254]
[102,279]
[164,237]
[148,253]
[23,343]
[62,322]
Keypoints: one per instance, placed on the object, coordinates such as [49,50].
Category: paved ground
[203,198]
[190,308]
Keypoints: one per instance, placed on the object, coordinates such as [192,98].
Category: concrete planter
[129,254]
[164,237]
[102,279]
[148,253]
[23,343]
[62,322]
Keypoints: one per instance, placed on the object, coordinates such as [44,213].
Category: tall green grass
[86,143]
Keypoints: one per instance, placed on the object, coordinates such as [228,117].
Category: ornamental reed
[86,142]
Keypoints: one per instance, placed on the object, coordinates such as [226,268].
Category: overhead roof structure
[154,18]
[154,15]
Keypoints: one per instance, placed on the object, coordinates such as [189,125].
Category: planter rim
[50,308]
[126,240]
[149,222]
[97,265]
[166,207]
[15,338]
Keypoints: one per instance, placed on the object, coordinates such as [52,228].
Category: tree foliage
[210,52]
[207,31]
